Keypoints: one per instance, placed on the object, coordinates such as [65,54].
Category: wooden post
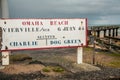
[94,42]
[79,55]
[110,41]
[93,56]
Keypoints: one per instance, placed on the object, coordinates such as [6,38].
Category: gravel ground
[66,59]
[103,74]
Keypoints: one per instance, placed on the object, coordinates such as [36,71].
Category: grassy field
[69,55]
[103,58]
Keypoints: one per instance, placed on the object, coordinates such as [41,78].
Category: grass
[46,69]
[52,68]
[19,57]
[115,54]
[57,69]
[114,64]
[88,49]
[104,58]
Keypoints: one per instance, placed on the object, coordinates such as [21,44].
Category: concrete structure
[0,10]
[4,13]
[106,35]
[111,31]
[4,9]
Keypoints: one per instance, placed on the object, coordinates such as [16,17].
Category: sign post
[79,55]
[5,58]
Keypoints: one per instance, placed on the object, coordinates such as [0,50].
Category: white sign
[22,34]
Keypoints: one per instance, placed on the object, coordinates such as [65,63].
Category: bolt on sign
[25,34]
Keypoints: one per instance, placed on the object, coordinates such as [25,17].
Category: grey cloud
[97,11]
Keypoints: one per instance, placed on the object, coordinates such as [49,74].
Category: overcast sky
[97,11]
